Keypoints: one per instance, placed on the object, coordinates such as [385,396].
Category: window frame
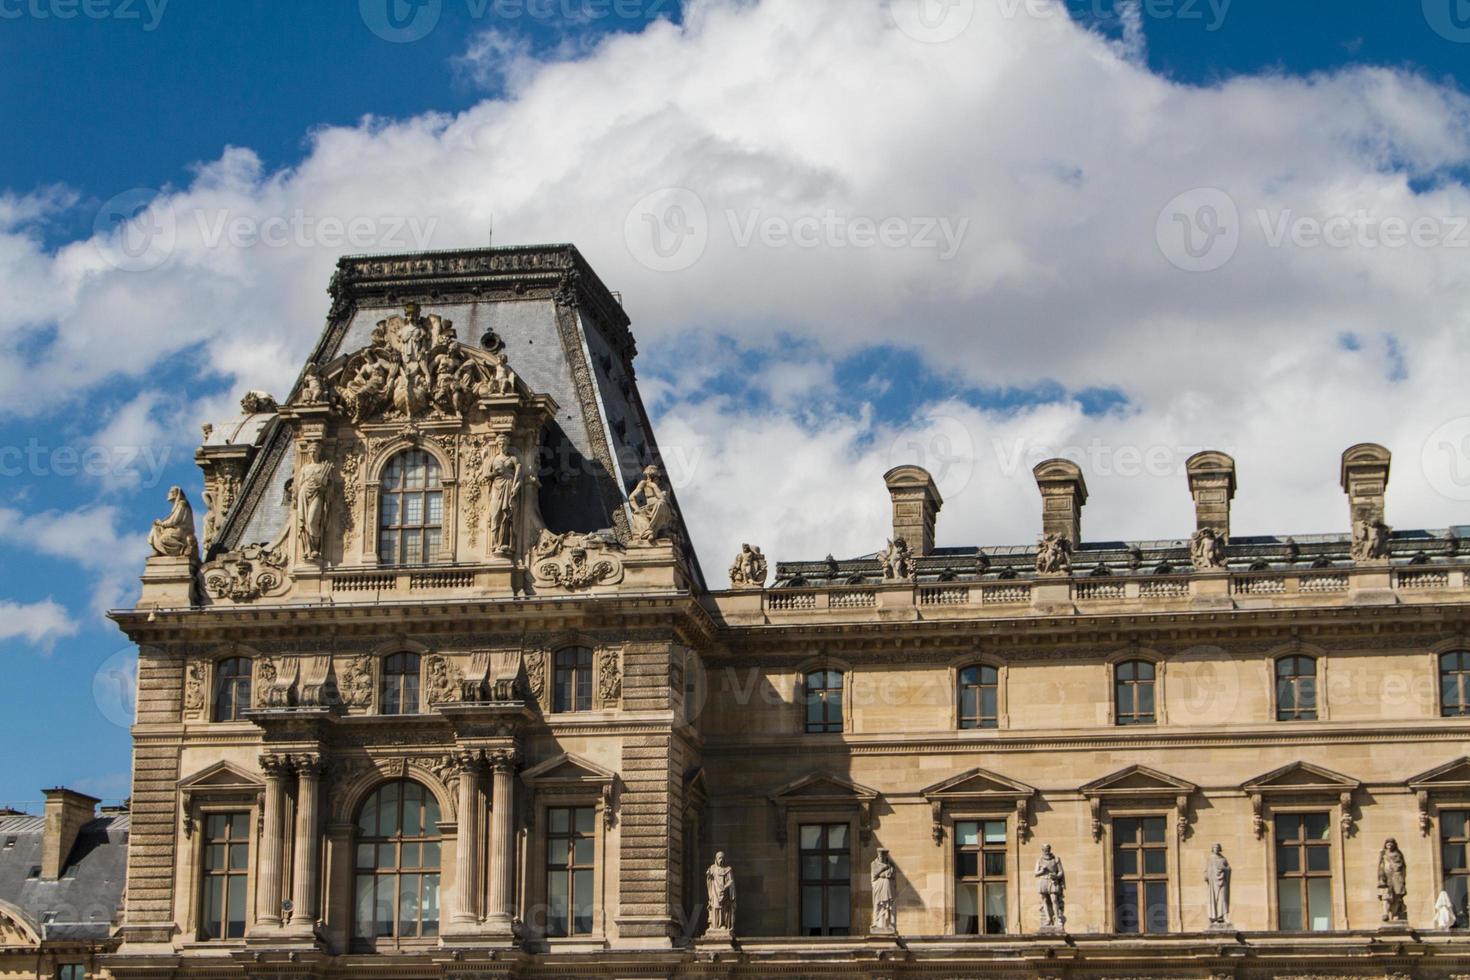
[822,882]
[1141,878]
[1334,852]
[1156,717]
[384,676]
[1279,681]
[825,726]
[555,794]
[1462,673]
[217,681]
[958,686]
[570,837]
[356,839]
[205,873]
[381,491]
[1010,879]
[1443,872]
[583,679]
[70,971]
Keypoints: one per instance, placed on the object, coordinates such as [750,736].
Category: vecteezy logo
[933,21]
[114,687]
[1449,18]
[400,21]
[135,231]
[1199,230]
[941,444]
[1445,458]
[667,231]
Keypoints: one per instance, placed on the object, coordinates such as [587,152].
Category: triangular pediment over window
[1302,777]
[1453,775]
[978,784]
[568,769]
[821,787]
[221,777]
[1138,781]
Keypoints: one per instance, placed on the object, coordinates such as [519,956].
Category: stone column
[306,858]
[500,916]
[272,840]
[467,848]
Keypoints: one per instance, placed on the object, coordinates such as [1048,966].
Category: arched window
[232,689]
[1454,684]
[1296,689]
[824,701]
[979,700]
[400,687]
[411,510]
[397,863]
[573,682]
[1133,692]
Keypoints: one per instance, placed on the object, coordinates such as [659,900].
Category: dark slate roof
[1167,557]
[81,905]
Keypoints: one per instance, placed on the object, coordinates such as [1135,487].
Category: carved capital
[275,765]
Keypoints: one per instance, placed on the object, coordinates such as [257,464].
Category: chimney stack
[1364,479]
[1063,492]
[66,813]
[916,504]
[1212,485]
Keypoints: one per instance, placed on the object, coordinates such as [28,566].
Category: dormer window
[411,510]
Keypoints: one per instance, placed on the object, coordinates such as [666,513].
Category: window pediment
[982,789]
[1139,784]
[821,790]
[568,770]
[219,783]
[1450,782]
[1305,782]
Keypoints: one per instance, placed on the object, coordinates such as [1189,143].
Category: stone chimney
[66,813]
[1063,492]
[916,504]
[1212,485]
[1364,480]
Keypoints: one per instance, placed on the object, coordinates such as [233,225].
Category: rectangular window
[226,865]
[573,681]
[71,971]
[979,705]
[980,877]
[1140,875]
[571,845]
[1133,692]
[826,880]
[1304,872]
[1454,839]
[823,701]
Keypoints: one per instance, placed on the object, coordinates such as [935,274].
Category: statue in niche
[1207,549]
[885,915]
[653,512]
[749,569]
[1370,540]
[1053,889]
[719,881]
[1217,881]
[897,561]
[1392,881]
[1054,554]
[504,478]
[314,501]
[173,537]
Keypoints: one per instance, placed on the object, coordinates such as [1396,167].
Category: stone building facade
[445,692]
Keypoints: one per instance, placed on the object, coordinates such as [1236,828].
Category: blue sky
[261,102]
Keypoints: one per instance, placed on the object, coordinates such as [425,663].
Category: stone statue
[749,569]
[1207,549]
[258,403]
[1444,912]
[313,388]
[719,881]
[314,501]
[173,537]
[212,517]
[885,915]
[1054,554]
[447,396]
[1217,881]
[653,512]
[1370,540]
[897,561]
[1053,889]
[1392,881]
[503,478]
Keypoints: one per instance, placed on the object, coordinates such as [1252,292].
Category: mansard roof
[565,336]
[81,904]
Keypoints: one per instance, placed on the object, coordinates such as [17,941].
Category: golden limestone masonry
[446,694]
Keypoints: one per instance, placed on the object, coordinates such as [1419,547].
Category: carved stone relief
[441,680]
[253,572]
[536,676]
[194,689]
[1054,555]
[355,683]
[575,561]
[610,679]
[749,569]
